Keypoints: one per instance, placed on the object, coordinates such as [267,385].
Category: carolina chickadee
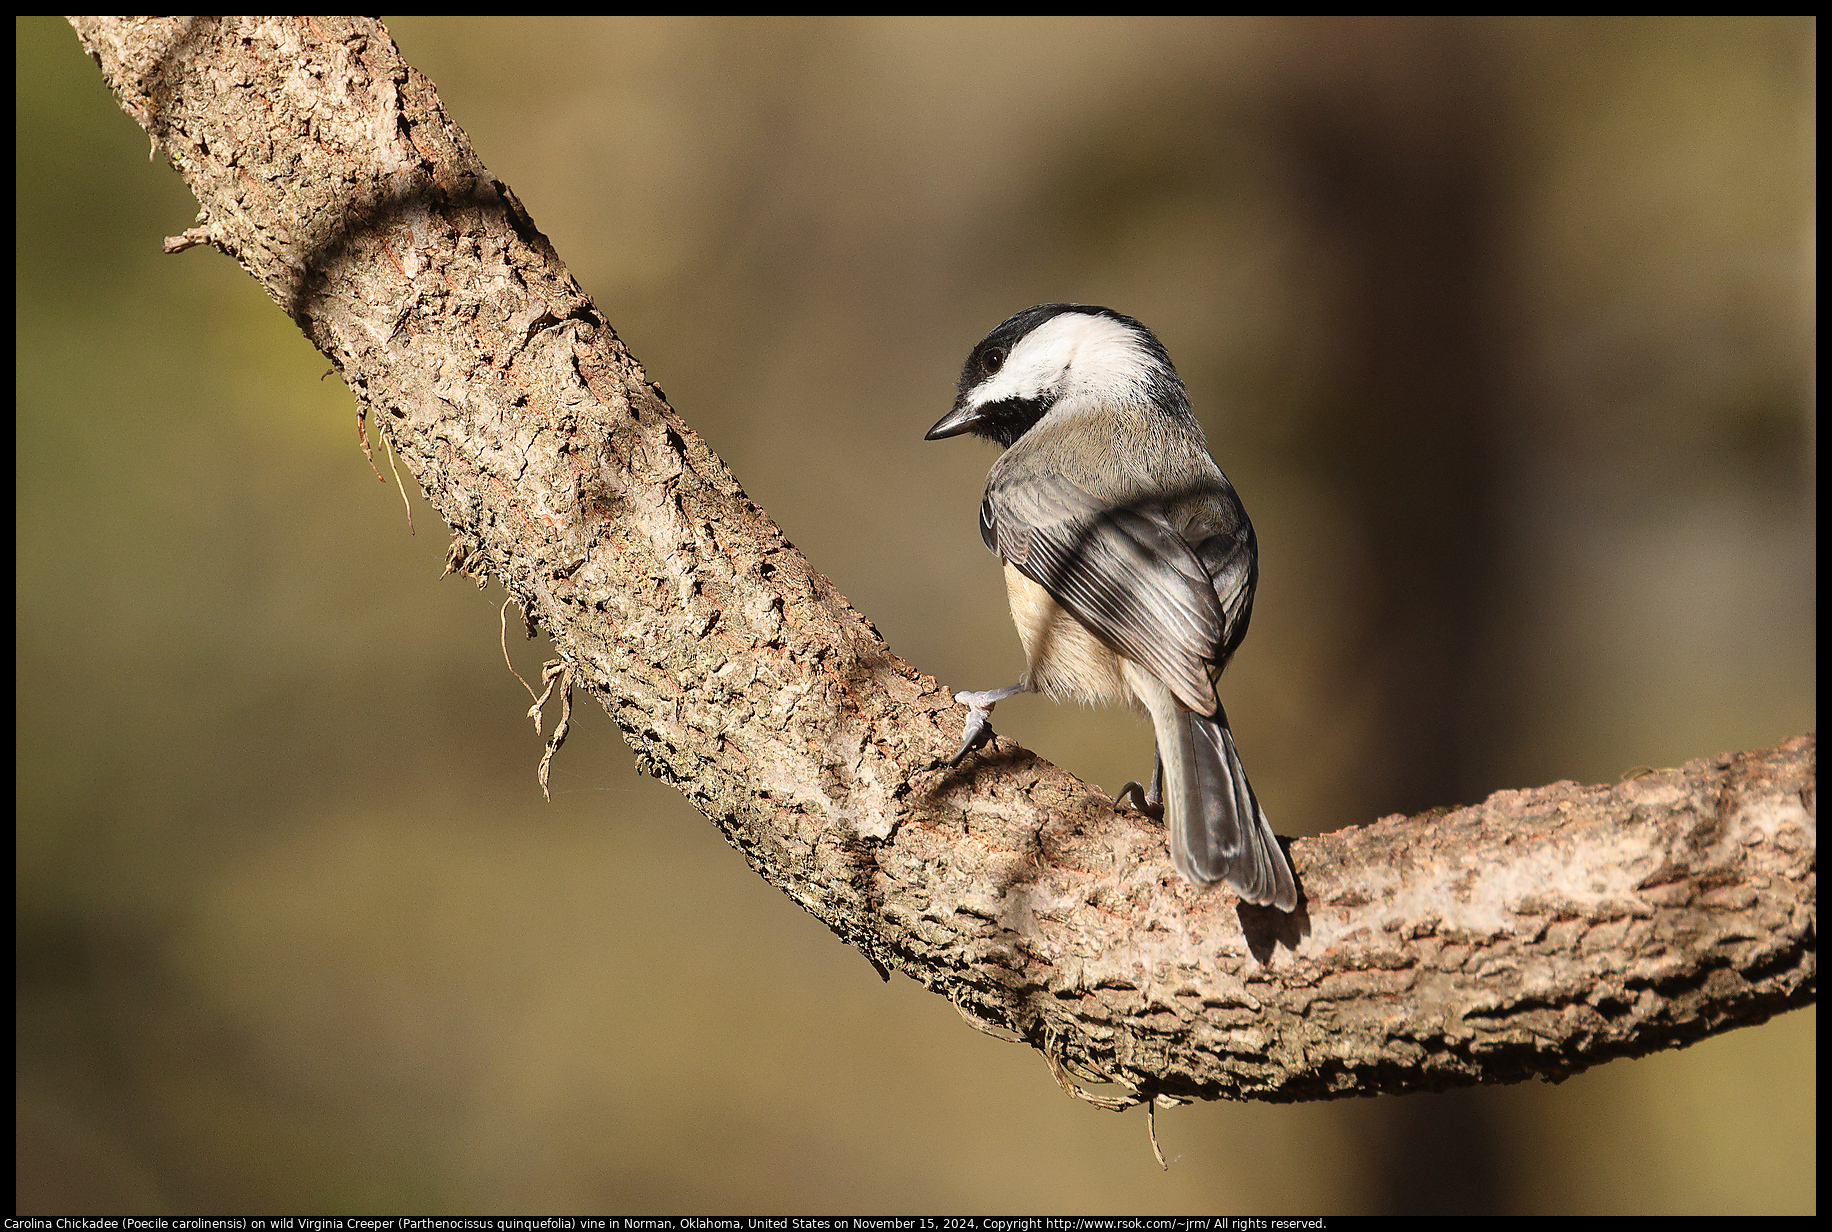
[1129,563]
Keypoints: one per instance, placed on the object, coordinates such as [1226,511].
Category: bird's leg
[1150,803]
[979,710]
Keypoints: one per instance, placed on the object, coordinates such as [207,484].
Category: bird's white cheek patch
[1012,382]
[1082,355]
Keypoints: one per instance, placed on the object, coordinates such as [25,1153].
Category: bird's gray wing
[1231,559]
[1121,570]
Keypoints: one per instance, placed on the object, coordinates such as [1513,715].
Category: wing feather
[1126,574]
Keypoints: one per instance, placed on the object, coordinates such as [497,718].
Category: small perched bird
[1129,562]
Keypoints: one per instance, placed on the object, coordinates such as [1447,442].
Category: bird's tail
[1218,832]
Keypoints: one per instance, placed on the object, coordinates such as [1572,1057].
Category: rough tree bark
[1535,934]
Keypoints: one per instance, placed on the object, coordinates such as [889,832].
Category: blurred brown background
[1503,329]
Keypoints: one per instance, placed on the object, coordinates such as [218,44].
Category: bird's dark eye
[995,359]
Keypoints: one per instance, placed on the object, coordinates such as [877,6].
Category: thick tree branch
[1538,933]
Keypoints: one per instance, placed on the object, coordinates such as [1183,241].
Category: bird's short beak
[960,419]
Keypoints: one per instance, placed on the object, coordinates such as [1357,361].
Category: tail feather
[1218,832]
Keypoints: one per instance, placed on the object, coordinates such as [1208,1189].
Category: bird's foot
[1149,802]
[979,713]
[1136,796]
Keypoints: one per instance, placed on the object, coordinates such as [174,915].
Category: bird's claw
[1132,793]
[978,729]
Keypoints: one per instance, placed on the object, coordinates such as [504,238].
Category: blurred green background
[1503,329]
